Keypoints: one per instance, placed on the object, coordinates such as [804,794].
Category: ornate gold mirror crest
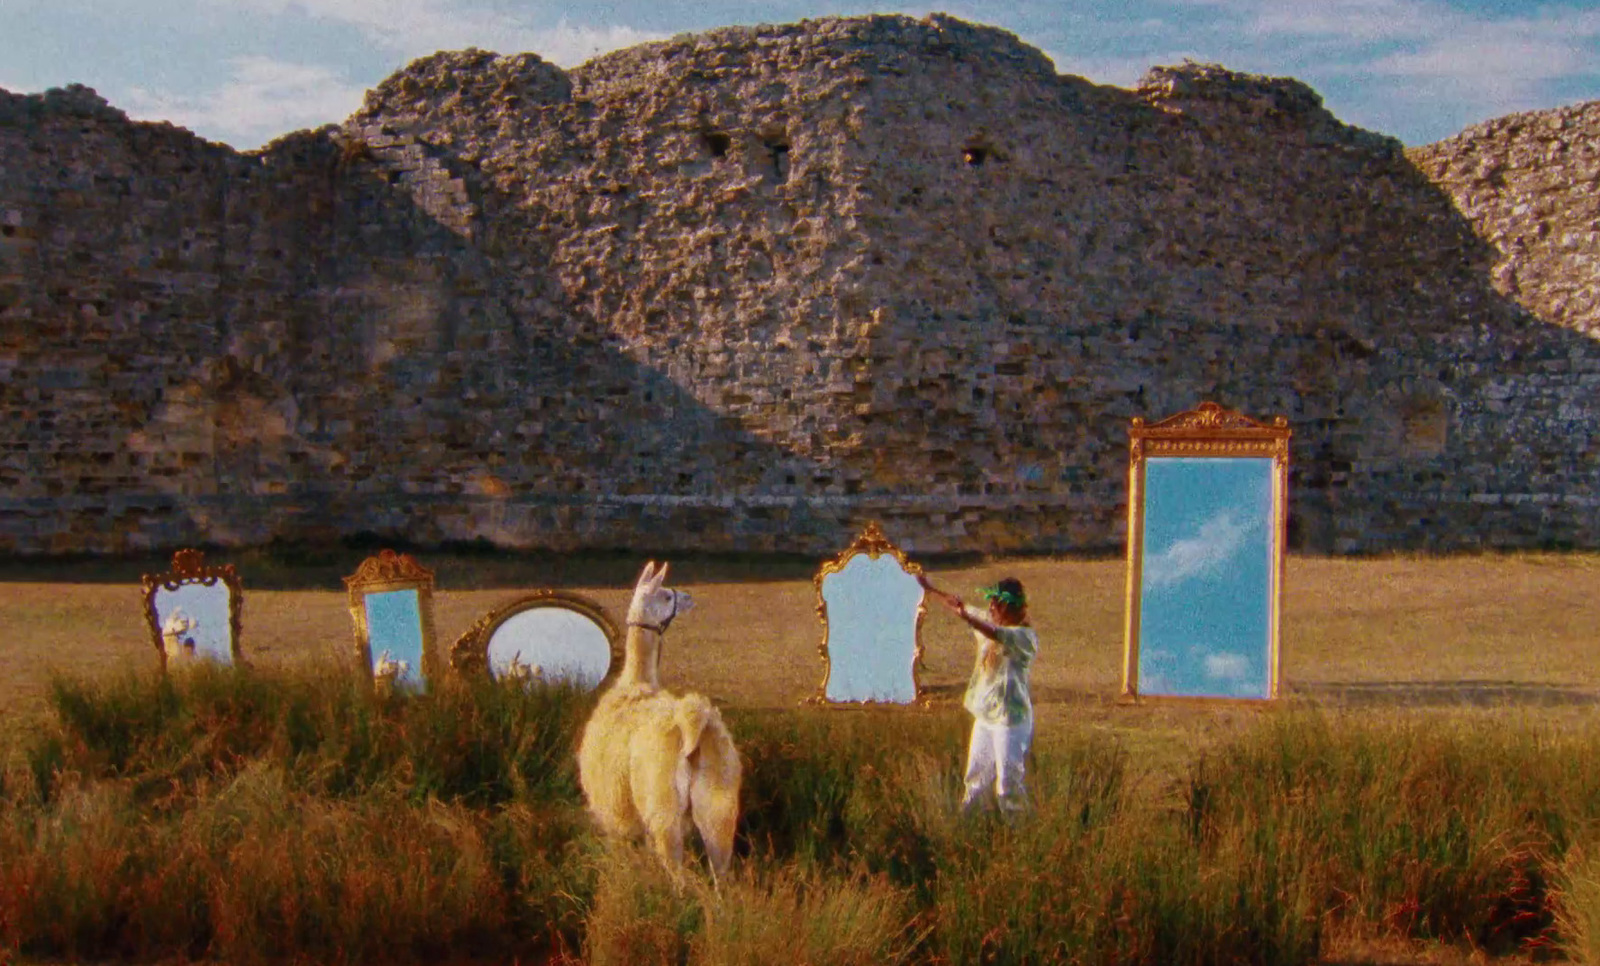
[871,608]
[549,637]
[1207,507]
[391,604]
[193,610]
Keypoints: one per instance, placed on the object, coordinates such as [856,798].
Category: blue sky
[247,71]
[394,630]
[1204,611]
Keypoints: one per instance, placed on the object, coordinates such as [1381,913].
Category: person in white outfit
[997,693]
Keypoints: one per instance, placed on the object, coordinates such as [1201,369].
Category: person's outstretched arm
[960,609]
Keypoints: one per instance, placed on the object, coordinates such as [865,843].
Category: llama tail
[714,773]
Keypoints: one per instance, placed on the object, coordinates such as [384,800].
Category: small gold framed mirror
[391,603]
[193,611]
[871,608]
[1207,507]
[547,637]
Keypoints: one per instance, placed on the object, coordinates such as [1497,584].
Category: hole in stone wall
[975,155]
[717,143]
[779,154]
[8,231]
[1425,423]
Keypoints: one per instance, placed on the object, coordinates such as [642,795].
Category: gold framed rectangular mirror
[391,604]
[1207,514]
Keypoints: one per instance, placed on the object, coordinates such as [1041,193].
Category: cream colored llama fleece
[647,755]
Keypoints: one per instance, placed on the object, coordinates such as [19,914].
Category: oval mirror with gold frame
[391,604]
[193,610]
[871,607]
[547,637]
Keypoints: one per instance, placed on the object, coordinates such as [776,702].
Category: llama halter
[665,621]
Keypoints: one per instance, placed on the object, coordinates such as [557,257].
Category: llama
[387,672]
[526,675]
[177,635]
[650,761]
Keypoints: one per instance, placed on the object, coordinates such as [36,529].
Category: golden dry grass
[1500,633]
[1508,636]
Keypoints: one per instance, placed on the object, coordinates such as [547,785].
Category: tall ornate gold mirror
[871,609]
[193,610]
[547,637]
[1207,506]
[391,603]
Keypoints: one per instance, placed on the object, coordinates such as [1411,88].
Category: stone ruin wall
[747,289]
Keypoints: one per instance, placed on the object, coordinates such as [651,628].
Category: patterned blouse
[997,692]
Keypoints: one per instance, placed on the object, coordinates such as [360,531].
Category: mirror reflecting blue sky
[394,633]
[198,613]
[872,630]
[555,644]
[1205,598]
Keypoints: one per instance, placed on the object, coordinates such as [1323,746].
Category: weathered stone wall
[747,289]
[1530,186]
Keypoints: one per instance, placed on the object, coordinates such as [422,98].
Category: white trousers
[997,757]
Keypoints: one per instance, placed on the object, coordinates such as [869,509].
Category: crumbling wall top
[464,81]
[74,100]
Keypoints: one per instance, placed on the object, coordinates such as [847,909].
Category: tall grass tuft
[639,915]
[786,915]
[481,744]
[248,816]
[1427,829]
[1579,916]
[759,915]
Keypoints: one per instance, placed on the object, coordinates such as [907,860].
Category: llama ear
[661,575]
[647,574]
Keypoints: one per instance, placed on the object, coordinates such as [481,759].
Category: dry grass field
[1506,634]
[1499,638]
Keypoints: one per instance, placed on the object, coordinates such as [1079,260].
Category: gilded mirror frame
[384,572]
[189,567]
[873,543]
[1208,431]
[469,655]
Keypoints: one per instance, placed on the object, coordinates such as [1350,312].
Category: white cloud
[1227,666]
[1500,67]
[262,99]
[1219,539]
[413,28]
[1351,20]
[1420,66]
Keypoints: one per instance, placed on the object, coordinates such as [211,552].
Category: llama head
[178,623]
[525,674]
[654,606]
[388,667]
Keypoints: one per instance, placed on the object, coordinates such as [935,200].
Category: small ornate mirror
[1207,492]
[871,609]
[548,637]
[391,602]
[193,610]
